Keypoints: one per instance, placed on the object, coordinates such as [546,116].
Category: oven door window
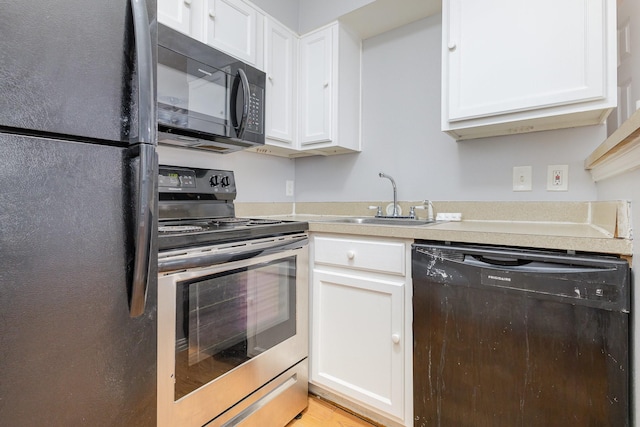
[226,319]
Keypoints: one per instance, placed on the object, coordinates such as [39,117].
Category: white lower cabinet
[361,343]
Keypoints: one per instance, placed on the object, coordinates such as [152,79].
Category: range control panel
[194,181]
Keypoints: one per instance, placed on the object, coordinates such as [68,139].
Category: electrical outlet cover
[558,178]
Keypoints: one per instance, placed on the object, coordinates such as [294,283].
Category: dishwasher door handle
[590,280]
[505,262]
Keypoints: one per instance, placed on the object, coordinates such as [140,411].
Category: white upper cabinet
[280,61]
[236,28]
[316,84]
[182,15]
[329,91]
[313,82]
[512,67]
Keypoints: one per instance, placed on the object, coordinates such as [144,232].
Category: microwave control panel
[256,109]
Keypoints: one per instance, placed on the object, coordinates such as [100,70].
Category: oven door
[226,330]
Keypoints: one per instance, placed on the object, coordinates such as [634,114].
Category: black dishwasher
[518,337]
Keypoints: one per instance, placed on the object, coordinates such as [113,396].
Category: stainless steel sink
[383,221]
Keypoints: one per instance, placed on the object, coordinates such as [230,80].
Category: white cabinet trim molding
[618,154]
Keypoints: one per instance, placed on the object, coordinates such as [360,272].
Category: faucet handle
[427,205]
[378,210]
[412,210]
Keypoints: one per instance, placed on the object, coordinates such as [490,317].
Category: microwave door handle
[146,173]
[241,79]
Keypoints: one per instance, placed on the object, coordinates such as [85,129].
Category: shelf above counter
[619,153]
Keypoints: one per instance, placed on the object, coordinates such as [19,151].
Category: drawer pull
[351,254]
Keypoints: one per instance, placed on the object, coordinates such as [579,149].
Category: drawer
[379,256]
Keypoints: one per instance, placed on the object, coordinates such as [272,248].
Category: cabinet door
[316,86]
[233,26]
[280,63]
[176,14]
[357,338]
[505,56]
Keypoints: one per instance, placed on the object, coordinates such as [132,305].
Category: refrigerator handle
[145,72]
[147,172]
[145,208]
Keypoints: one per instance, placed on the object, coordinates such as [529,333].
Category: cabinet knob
[326,84]
[395,338]
[270,77]
[452,46]
[187,2]
[351,254]
[212,13]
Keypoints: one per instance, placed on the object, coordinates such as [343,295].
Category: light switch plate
[288,191]
[522,178]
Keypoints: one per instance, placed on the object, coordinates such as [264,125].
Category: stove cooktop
[195,208]
[214,224]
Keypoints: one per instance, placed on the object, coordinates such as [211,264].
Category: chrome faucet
[395,192]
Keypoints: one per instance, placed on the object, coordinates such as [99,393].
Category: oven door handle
[218,258]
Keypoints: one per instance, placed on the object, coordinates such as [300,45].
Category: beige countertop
[601,227]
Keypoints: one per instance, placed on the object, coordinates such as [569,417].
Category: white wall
[259,178]
[402,137]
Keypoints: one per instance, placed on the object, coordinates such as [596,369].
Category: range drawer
[378,255]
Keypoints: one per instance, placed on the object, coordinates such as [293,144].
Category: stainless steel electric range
[232,307]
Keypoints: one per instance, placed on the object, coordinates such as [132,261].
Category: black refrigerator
[78,165]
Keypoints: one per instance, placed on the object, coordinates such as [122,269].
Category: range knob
[214,181]
[225,182]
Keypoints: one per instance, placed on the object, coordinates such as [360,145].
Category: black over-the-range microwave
[207,99]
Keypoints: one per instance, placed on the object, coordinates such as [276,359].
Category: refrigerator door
[71,353]
[69,67]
